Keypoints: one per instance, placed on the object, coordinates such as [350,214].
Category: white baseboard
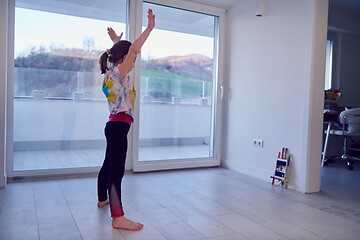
[255,172]
[249,170]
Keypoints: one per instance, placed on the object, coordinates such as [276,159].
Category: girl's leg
[116,136]
[103,181]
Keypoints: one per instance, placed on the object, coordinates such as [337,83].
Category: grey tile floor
[208,203]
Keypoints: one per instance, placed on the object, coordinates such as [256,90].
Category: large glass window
[58,114]
[178,79]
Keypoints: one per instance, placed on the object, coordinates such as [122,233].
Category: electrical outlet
[258,142]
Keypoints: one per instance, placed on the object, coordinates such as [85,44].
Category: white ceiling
[168,18]
[226,4]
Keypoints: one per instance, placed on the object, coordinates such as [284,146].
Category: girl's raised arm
[127,64]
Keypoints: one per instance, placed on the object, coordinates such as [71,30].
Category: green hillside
[165,85]
[160,74]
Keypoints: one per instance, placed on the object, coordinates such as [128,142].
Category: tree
[88,43]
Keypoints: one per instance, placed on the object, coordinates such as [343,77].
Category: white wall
[275,90]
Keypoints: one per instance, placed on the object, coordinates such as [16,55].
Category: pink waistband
[121,117]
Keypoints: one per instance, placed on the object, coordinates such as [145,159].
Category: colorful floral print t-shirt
[120,92]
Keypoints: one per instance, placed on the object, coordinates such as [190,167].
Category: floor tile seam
[345,212]
[191,227]
[344,218]
[188,189]
[189,201]
[345,222]
[293,222]
[158,229]
[233,208]
[164,189]
[162,205]
[164,186]
[36,212]
[145,195]
[206,215]
[264,226]
[237,187]
[201,211]
[171,194]
[243,201]
[136,208]
[264,192]
[248,210]
[248,220]
[216,202]
[68,207]
[202,195]
[87,188]
[71,187]
[105,211]
[178,218]
[308,230]
[235,232]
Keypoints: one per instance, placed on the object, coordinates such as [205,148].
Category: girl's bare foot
[124,223]
[103,203]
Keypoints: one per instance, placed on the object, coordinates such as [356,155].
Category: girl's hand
[134,49]
[112,34]
[151,19]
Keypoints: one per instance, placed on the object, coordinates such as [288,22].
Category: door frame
[144,166]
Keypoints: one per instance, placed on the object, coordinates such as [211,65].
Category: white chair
[350,127]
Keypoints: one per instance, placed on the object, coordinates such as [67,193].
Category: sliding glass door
[59,109]
[178,94]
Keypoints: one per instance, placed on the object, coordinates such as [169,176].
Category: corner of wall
[313,139]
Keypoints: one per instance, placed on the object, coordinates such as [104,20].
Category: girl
[120,93]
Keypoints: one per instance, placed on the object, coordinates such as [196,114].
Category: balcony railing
[56,109]
[71,85]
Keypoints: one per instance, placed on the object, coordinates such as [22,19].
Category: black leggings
[113,168]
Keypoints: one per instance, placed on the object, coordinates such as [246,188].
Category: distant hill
[193,66]
[60,59]
[190,66]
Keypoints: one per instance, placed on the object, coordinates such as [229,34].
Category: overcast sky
[37,28]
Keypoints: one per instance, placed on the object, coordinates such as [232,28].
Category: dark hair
[118,51]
